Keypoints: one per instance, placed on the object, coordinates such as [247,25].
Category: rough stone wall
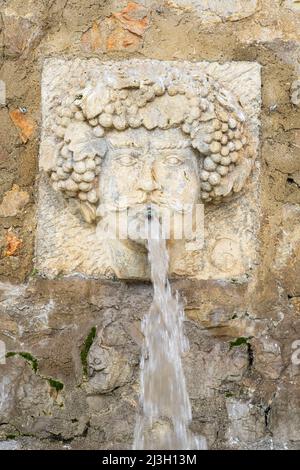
[71,376]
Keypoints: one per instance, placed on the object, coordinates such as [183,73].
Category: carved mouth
[149,212]
[140,222]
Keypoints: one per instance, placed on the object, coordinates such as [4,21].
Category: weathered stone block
[13,201]
[286,264]
[217,11]
[122,30]
[247,423]
[118,136]
[292,5]
[21,34]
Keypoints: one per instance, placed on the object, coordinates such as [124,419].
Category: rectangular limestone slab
[216,10]
[67,244]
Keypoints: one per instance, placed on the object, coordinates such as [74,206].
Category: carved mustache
[144,199]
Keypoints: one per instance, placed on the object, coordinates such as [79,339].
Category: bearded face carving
[124,143]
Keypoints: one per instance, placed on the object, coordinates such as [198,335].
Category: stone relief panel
[119,137]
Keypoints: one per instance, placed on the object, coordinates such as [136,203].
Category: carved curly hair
[203,109]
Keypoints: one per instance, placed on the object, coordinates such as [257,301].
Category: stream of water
[165,416]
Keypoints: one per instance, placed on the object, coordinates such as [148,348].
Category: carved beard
[129,223]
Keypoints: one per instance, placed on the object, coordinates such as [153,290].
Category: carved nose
[147,182]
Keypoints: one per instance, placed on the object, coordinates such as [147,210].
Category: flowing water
[165,406]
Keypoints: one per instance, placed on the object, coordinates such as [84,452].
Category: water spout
[165,416]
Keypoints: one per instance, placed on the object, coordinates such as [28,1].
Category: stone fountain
[125,142]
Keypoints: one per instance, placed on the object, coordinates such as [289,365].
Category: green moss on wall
[27,356]
[55,384]
[85,349]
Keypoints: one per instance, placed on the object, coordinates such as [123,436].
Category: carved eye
[173,160]
[127,160]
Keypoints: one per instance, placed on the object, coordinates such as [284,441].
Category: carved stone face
[119,136]
[142,168]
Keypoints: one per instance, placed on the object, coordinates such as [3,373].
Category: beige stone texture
[66,244]
[13,201]
[244,396]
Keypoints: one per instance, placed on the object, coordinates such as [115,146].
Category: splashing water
[166,409]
